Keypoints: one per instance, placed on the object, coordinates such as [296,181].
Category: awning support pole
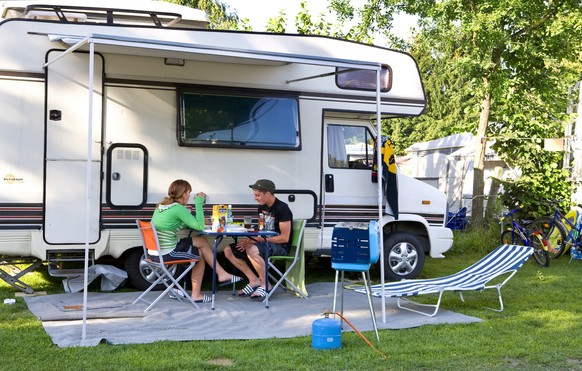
[380,195]
[89,184]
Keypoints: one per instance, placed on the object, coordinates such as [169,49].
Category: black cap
[264,185]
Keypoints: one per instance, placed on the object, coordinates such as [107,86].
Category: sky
[258,12]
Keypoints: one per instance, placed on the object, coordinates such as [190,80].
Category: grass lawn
[540,329]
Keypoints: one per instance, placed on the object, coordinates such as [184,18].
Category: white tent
[447,164]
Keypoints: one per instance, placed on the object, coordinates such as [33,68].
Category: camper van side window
[220,120]
[349,147]
[355,79]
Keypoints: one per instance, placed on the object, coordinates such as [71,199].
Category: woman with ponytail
[171,216]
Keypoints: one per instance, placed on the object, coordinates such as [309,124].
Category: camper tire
[403,256]
[140,274]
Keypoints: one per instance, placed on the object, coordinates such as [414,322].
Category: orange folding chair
[160,268]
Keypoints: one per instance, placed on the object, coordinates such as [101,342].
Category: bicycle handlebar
[512,212]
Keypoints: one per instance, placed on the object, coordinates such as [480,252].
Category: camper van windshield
[238,121]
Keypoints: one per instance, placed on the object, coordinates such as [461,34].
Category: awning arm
[68,51]
[325,74]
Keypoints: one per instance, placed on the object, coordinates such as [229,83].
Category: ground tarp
[111,318]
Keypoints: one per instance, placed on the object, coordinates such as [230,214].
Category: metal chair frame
[294,258]
[151,242]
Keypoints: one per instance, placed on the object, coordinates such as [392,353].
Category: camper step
[56,272]
[68,263]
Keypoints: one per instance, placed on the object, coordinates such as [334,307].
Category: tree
[515,59]
[305,24]
[221,18]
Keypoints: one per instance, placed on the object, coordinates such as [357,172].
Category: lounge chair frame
[504,260]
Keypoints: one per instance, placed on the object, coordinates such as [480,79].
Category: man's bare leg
[258,263]
[243,267]
[205,250]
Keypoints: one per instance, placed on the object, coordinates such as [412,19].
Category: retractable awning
[163,48]
[166,48]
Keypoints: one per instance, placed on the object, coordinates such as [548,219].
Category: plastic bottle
[229,215]
[261,221]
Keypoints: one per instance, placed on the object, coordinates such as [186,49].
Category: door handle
[329,185]
[55,115]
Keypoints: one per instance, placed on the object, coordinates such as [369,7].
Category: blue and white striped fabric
[505,259]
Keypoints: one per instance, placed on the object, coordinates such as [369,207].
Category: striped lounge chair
[503,261]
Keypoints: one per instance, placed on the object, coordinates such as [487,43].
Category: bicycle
[553,231]
[573,224]
[518,233]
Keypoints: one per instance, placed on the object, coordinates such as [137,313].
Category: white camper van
[102,108]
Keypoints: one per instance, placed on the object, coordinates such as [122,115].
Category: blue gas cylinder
[326,333]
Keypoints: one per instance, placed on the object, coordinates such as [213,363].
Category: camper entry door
[347,164]
[66,176]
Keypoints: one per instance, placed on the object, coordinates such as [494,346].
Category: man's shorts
[274,249]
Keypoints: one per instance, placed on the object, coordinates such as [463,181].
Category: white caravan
[102,108]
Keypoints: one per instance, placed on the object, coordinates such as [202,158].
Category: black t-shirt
[279,212]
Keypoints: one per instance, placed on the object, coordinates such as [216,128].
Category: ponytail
[176,190]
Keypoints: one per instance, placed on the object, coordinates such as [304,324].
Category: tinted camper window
[349,147]
[355,79]
[220,120]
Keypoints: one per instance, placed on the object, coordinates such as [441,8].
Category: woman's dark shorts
[183,251]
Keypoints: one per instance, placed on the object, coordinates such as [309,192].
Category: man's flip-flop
[247,290]
[234,279]
[206,299]
[260,293]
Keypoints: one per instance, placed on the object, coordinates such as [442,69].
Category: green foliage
[480,240]
[221,18]
[507,62]
[277,24]
[306,25]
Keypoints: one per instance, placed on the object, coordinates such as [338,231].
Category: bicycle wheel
[553,234]
[540,254]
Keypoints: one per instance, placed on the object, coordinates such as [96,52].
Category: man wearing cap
[279,218]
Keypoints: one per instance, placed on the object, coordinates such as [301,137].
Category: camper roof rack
[109,16]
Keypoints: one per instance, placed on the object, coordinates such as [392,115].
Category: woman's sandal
[260,293]
[233,280]
[247,290]
[206,299]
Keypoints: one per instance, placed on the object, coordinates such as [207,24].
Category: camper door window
[349,147]
[243,121]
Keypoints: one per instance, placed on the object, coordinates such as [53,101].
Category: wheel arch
[415,227]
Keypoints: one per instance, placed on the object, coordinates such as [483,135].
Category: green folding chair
[294,274]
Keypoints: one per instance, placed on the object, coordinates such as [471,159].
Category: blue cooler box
[354,246]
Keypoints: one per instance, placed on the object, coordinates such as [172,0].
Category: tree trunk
[479,160]
[492,199]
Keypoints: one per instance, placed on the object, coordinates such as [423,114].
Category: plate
[235,228]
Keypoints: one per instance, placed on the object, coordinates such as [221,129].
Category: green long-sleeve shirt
[169,219]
